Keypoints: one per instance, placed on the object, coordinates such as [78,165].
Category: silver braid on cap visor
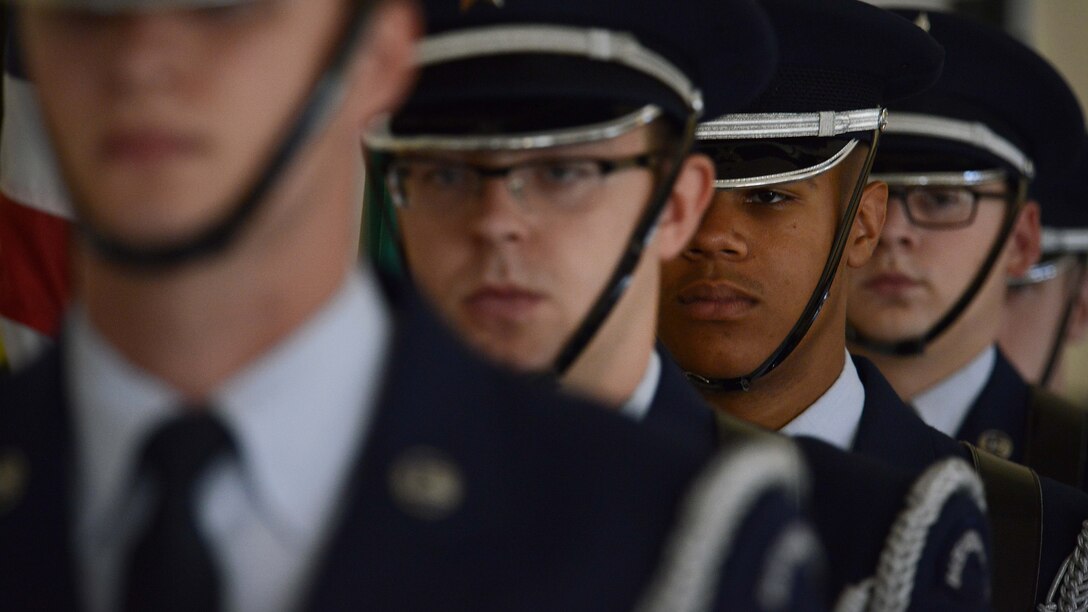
[790,125]
[759,126]
[1043,272]
[1057,244]
[591,43]
[1065,240]
[382,139]
[968,132]
[968,178]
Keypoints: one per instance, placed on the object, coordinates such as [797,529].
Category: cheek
[953,259]
[672,274]
[435,251]
[57,78]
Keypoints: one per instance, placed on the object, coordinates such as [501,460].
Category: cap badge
[426,484]
[996,442]
[922,21]
[467,4]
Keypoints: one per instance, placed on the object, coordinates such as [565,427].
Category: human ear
[868,224]
[384,69]
[1025,241]
[691,194]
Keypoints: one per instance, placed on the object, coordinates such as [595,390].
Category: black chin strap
[213,239]
[621,276]
[816,300]
[917,345]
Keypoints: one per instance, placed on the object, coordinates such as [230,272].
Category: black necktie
[170,567]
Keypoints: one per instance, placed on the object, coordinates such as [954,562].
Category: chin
[513,355]
[891,332]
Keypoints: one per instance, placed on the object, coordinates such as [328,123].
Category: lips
[509,304]
[715,301]
[891,284]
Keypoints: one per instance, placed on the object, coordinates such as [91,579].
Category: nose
[147,50]
[898,230]
[719,234]
[499,216]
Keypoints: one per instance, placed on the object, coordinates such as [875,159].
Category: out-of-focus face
[162,119]
[918,273]
[1033,314]
[516,274]
[733,295]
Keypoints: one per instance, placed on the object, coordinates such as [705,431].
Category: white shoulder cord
[1071,584]
[890,589]
[722,497]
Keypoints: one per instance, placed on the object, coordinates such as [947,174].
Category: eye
[566,172]
[946,198]
[941,200]
[444,176]
[766,197]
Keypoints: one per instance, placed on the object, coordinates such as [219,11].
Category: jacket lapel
[479,491]
[891,431]
[35,503]
[998,418]
[678,410]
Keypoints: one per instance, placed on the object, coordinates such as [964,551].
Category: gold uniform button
[996,442]
[14,470]
[426,484]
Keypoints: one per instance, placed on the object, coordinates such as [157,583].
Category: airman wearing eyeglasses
[928,308]
[537,183]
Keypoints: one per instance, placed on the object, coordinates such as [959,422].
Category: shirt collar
[835,416]
[297,413]
[115,406]
[945,405]
[639,403]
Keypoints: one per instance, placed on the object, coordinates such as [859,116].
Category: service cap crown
[514,66]
[997,104]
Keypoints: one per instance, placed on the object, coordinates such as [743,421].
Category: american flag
[34,223]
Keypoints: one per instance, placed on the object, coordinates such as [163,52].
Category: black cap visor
[758,162]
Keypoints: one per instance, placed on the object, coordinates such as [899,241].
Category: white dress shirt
[638,406]
[944,406]
[835,416]
[299,415]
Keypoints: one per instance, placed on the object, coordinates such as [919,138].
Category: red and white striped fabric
[34,226]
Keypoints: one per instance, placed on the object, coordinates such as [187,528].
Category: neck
[914,374]
[197,326]
[779,397]
[614,362]
[949,353]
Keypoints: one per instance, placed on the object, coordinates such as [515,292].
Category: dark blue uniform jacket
[566,506]
[892,432]
[854,500]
